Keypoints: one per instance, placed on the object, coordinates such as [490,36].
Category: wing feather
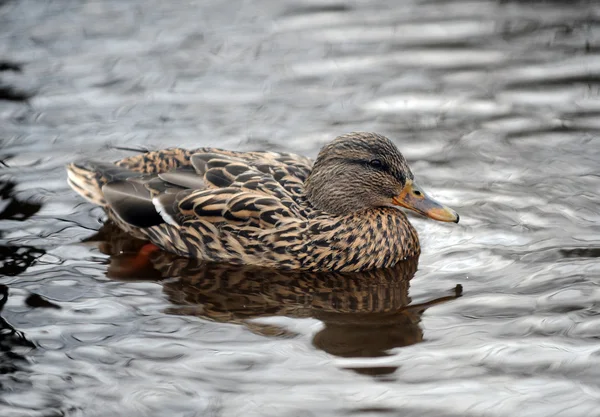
[222,188]
[230,205]
[254,171]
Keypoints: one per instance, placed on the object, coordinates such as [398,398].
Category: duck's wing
[196,169]
[258,190]
[223,207]
[219,168]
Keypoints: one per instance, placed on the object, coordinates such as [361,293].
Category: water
[495,105]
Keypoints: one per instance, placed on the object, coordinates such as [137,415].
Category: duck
[341,212]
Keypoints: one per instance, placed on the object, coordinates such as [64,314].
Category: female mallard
[269,209]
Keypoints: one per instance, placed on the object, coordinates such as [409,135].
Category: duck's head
[360,171]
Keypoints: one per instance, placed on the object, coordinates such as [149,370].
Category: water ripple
[494,104]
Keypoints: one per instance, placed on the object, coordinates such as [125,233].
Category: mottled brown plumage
[268,209]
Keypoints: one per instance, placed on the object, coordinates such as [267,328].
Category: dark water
[495,104]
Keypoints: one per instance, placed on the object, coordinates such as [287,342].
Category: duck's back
[216,205]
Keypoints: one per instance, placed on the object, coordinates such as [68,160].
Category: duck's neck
[331,197]
[373,238]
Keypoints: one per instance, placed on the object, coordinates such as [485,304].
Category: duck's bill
[413,198]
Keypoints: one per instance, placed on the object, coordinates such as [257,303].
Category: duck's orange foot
[142,258]
[134,266]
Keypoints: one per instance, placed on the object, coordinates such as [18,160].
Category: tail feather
[87,178]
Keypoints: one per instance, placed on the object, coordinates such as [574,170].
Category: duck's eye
[376,163]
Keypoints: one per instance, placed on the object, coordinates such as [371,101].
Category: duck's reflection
[364,314]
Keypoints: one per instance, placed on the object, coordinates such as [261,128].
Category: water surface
[496,106]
